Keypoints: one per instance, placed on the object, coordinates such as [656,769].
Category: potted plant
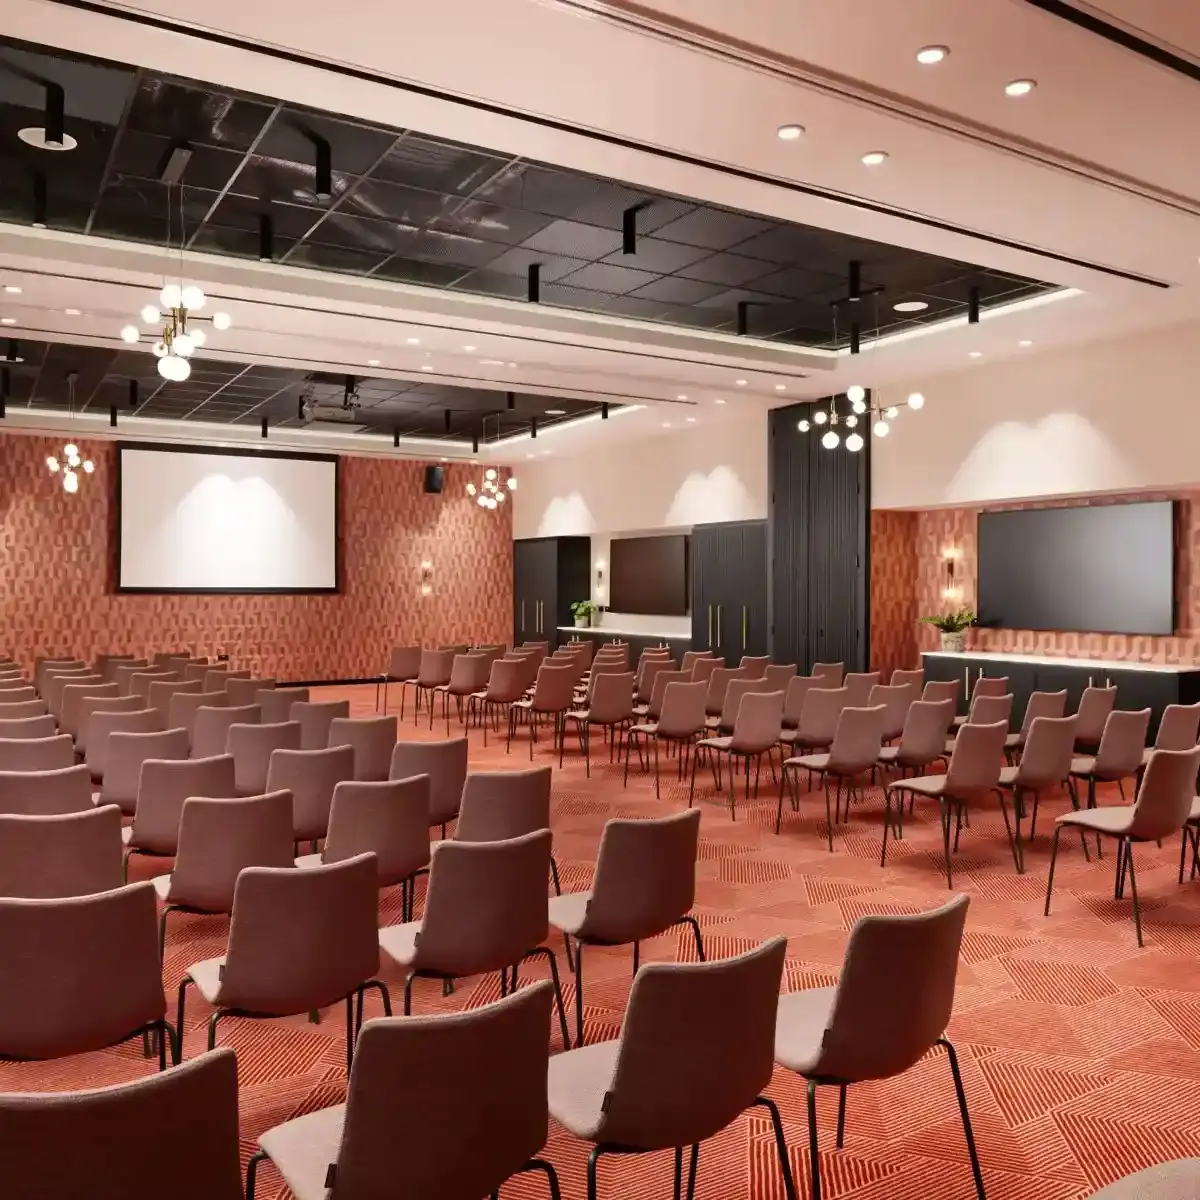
[582,611]
[953,627]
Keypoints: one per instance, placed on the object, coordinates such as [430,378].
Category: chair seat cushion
[569,912]
[800,1023]
[399,942]
[162,886]
[302,1150]
[787,736]
[1014,741]
[310,860]
[522,704]
[958,722]
[1194,815]
[580,714]
[577,1083]
[126,834]
[206,976]
[717,743]
[805,741]
[809,762]
[1178,1180]
[646,728]
[948,748]
[887,755]
[1008,776]
[1114,819]
[926,785]
[1083,766]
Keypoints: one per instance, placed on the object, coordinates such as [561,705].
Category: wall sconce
[950,559]
[426,578]
[599,589]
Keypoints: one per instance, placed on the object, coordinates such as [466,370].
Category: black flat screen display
[650,575]
[1105,568]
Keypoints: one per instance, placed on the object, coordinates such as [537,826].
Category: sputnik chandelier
[73,463]
[491,491]
[863,408]
[177,317]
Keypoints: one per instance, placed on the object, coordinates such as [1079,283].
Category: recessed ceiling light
[372,362]
[680,397]
[718,401]
[911,306]
[928,55]
[874,158]
[976,353]
[12,289]
[666,424]
[789,133]
[35,136]
[426,367]
[1024,343]
[529,456]
[691,420]
[8,320]
[1020,87]
[469,349]
[781,387]
[512,366]
[556,412]
[71,312]
[414,341]
[741,383]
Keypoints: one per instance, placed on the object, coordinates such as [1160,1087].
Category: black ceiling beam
[743,318]
[604,410]
[396,438]
[510,399]
[629,230]
[474,443]
[533,427]
[533,291]
[112,416]
[448,421]
[5,382]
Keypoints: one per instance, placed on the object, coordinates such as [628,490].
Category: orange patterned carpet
[1080,1053]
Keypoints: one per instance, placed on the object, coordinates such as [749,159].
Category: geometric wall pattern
[58,574]
[893,590]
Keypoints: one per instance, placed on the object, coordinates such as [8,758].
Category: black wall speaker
[435,477]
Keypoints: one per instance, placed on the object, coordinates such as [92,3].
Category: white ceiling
[1094,165]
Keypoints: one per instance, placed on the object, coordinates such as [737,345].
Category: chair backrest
[73,854]
[389,819]
[859,685]
[47,671]
[554,689]
[989,685]
[436,667]
[506,680]
[497,805]
[161,690]
[19,710]
[183,706]
[1164,801]
[23,728]
[218,839]
[469,673]
[925,727]
[645,877]
[912,960]
[445,762]
[252,747]
[1121,743]
[90,705]
[990,708]
[404,663]
[647,670]
[125,754]
[858,739]
[611,700]
[244,691]
[210,727]
[691,658]
[703,668]
[1179,727]
[373,739]
[734,693]
[315,718]
[196,672]
[73,696]
[833,672]
[940,689]
[52,693]
[896,699]
[166,785]
[777,676]
[108,665]
[752,666]
[820,715]
[122,674]
[486,904]
[682,713]
[1046,758]
[663,680]
[20,693]
[458,1142]
[217,679]
[977,759]
[901,676]
[1094,706]
[718,685]
[45,793]
[104,947]
[311,776]
[759,722]
[797,689]
[697,1048]
[37,754]
[276,703]
[140,681]
[102,725]
[1043,704]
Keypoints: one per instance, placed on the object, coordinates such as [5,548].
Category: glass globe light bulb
[130,333]
[482,502]
[193,298]
[183,345]
[174,368]
[221,320]
[856,394]
[73,460]
[831,441]
[171,296]
[803,426]
[88,466]
[160,350]
[892,413]
[881,428]
[854,442]
[151,315]
[858,406]
[851,421]
[70,482]
[70,450]
[512,483]
[52,463]
[916,401]
[198,336]
[820,416]
[490,473]
[498,498]
[471,489]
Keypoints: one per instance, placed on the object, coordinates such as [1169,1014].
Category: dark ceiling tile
[518,260]
[354,148]
[437,166]
[358,233]
[731,297]
[796,283]
[573,240]
[539,189]
[562,296]
[394,202]
[717,228]
[492,222]
[730,270]
[336,258]
[492,283]
[290,221]
[196,114]
[266,179]
[143,155]
[606,277]
[92,90]
[632,306]
[660,258]
[674,289]
[433,245]
[407,270]
[138,209]
[241,243]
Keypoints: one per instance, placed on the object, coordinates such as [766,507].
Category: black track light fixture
[56,109]
[973,306]
[629,231]
[474,443]
[266,238]
[855,338]
[511,400]
[533,292]
[40,202]
[854,292]
[447,420]
[13,353]
[5,382]
[396,438]
[133,394]
[300,408]
[743,317]
[604,410]
[322,168]
[3,407]
[533,427]
[264,427]
[112,416]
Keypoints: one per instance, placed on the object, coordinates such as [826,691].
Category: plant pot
[955,641]
[583,622]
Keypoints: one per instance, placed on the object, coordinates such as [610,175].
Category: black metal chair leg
[695,925]
[1050,876]
[692,1168]
[252,1171]
[554,876]
[841,1125]
[785,1166]
[212,1029]
[966,1118]
[578,993]
[814,1163]
[540,1164]
[179,1016]
[1137,907]
[593,1159]
[408,981]
[538,952]
[351,1029]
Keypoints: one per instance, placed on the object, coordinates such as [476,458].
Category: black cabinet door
[535,588]
[523,584]
[944,668]
[752,581]
[705,584]
[1072,680]
[1022,678]
[1145,689]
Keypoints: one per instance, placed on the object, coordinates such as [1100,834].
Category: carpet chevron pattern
[1080,1053]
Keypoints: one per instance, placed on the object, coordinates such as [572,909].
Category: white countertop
[617,631]
[1099,664]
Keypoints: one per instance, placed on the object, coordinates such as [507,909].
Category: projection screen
[225,521]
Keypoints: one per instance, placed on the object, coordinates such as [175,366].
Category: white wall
[1110,416]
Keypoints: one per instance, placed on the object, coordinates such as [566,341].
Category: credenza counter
[971,657]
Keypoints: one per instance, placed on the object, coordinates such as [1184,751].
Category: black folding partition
[818,527]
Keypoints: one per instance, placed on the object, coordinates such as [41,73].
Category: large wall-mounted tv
[650,575]
[1103,568]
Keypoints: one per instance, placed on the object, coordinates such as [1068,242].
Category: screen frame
[238,452]
[685,538]
[1174,566]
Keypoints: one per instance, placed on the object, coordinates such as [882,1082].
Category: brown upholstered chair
[901,676]
[373,739]
[485,910]
[1119,754]
[103,725]
[859,685]
[140,681]
[73,695]
[644,884]
[23,695]
[468,674]
[986,709]
[680,723]
[1041,704]
[216,679]
[973,775]
[252,747]
[48,793]
[1045,766]
[923,741]
[853,753]
[1178,1179]
[73,854]
[311,776]
[654,1088]
[777,676]
[703,668]
[1094,706]
[445,762]
[389,819]
[691,658]
[161,690]
[553,695]
[753,666]
[45,667]
[609,707]
[197,672]
[404,665]
[123,765]
[940,689]
[434,671]
[181,712]
[243,691]
[217,840]
[33,727]
[90,705]
[315,717]
[330,953]
[506,683]
[833,673]
[89,975]
[210,727]
[52,693]
[1178,729]
[277,703]
[839,1036]
[188,1118]
[755,737]
[819,716]
[896,699]
[648,714]
[36,754]
[727,719]
[1161,808]
[20,710]
[985,685]
[718,685]
[163,788]
[458,1143]
[122,675]
[108,664]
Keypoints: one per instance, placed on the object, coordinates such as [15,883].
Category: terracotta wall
[929,534]
[57,575]
[893,590]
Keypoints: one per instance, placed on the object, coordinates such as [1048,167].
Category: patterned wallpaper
[893,590]
[57,575]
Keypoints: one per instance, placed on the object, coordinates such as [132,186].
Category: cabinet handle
[744,621]
[718,627]
[710,641]
[522,616]
[541,616]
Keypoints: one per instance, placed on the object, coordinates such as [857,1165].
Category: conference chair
[372,738]
[1094,707]
[859,685]
[896,699]
[311,776]
[833,673]
[66,854]
[680,723]
[1041,704]
[103,725]
[1178,729]
[315,718]
[734,693]
[45,793]
[216,678]
[1045,766]
[37,754]
[140,681]
[108,665]
[1119,754]
[20,710]
[183,707]
[777,676]
[985,685]
[434,671]
[52,693]
[90,705]
[923,740]
[243,691]
[468,673]
[125,754]
[161,692]
[985,710]
[819,716]
[164,786]
[755,736]
[277,703]
[506,684]
[940,689]
[210,727]
[252,747]
[610,707]
[73,696]
[445,764]
[753,666]
[553,695]
[31,726]
[900,677]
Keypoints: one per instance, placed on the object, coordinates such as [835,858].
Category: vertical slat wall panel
[820,503]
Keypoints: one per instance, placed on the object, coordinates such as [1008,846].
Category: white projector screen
[225,521]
